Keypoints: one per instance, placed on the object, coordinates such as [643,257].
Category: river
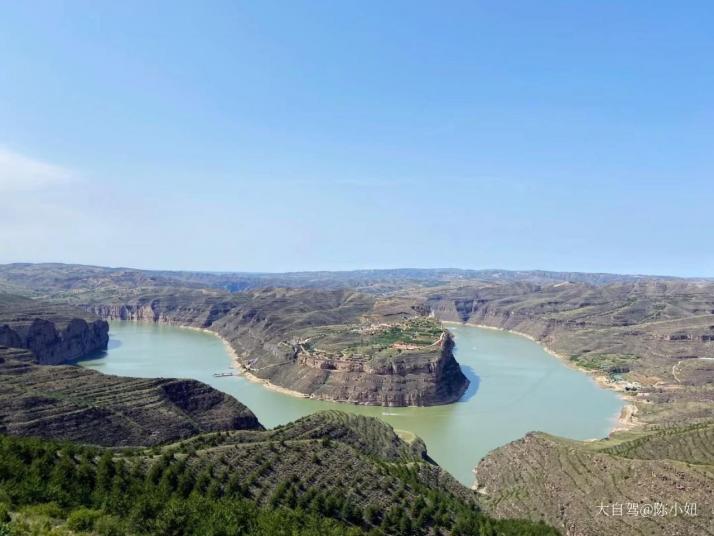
[516,387]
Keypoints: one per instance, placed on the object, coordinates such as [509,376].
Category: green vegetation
[417,331]
[657,332]
[388,341]
[610,363]
[52,488]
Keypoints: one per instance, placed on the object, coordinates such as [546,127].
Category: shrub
[51,510]
[83,519]
[4,513]
[109,526]
[173,519]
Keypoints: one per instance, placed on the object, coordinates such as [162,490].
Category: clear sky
[272,136]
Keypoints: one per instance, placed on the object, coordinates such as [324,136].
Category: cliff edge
[53,333]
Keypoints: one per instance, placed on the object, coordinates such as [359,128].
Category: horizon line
[357,270]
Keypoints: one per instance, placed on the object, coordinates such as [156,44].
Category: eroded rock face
[53,334]
[416,379]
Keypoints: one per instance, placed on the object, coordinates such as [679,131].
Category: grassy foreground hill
[322,475]
[652,483]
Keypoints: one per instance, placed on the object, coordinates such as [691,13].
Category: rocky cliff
[53,333]
[73,403]
[657,335]
[417,379]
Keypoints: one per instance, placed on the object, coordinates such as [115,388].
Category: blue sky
[272,136]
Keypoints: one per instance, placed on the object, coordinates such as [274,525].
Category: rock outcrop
[53,333]
[418,379]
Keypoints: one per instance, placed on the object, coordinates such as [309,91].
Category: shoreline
[234,360]
[242,370]
[625,421]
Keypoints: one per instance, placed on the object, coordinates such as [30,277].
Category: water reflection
[474,382]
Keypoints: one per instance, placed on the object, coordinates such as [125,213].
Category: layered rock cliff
[73,403]
[654,335]
[416,379]
[53,333]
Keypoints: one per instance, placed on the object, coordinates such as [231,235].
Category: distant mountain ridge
[57,276]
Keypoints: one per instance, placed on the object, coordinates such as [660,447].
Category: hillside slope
[327,474]
[651,340]
[78,404]
[655,336]
[658,484]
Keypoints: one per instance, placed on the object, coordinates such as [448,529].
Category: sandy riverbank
[244,371]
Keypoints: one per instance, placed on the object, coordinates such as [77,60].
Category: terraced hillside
[78,404]
[650,338]
[690,443]
[659,483]
[327,474]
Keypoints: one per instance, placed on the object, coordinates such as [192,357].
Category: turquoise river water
[516,387]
